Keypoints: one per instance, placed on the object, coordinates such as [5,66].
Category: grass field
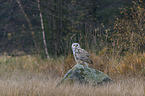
[43,85]
[33,76]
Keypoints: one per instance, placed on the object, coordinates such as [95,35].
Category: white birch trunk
[43,32]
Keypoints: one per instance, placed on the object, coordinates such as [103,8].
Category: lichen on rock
[84,75]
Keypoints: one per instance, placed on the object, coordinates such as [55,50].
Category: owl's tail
[90,61]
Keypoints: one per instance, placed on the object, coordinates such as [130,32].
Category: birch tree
[43,32]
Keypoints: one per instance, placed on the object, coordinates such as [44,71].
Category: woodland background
[117,25]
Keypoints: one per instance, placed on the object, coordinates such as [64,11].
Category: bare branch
[30,25]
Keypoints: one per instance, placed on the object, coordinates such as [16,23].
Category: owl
[81,56]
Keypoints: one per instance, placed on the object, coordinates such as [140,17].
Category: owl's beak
[76,47]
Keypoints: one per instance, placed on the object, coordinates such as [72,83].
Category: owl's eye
[76,45]
[73,45]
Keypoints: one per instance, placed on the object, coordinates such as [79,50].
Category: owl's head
[75,45]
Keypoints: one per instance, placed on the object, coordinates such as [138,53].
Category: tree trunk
[43,32]
[29,23]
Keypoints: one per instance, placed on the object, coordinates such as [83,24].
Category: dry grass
[33,76]
[132,64]
[44,85]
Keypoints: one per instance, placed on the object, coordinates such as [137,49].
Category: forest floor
[33,76]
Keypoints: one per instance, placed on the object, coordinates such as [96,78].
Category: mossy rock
[84,75]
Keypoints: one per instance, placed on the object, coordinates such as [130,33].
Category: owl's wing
[83,52]
[83,56]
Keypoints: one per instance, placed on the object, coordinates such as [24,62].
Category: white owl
[81,56]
